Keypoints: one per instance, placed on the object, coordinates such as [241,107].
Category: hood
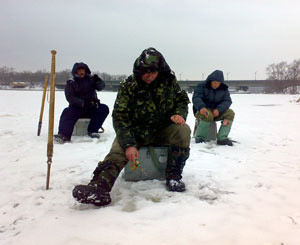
[217,75]
[79,65]
[150,60]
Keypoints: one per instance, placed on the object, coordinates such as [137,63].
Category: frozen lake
[246,194]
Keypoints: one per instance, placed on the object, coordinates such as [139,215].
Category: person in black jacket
[211,102]
[81,94]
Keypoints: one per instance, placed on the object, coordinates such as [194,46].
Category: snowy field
[248,194]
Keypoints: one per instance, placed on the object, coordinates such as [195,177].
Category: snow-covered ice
[246,194]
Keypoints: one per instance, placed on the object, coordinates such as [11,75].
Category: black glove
[98,82]
[96,103]
[91,103]
[96,79]
[87,104]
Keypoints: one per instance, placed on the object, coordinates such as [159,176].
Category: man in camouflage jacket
[150,109]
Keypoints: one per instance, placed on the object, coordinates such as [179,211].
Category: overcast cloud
[196,37]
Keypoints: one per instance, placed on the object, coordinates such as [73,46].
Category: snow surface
[246,194]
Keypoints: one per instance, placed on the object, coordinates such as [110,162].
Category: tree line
[286,75]
[281,76]
[9,74]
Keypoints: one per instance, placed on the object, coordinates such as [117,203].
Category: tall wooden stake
[51,118]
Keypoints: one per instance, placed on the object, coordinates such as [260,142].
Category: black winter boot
[224,142]
[91,194]
[61,138]
[94,135]
[175,185]
[199,140]
[176,162]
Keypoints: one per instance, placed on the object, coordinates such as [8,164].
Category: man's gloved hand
[87,104]
[99,84]
[91,103]
[96,78]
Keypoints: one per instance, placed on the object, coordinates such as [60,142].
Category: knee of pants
[116,155]
[229,114]
[72,110]
[118,158]
[181,136]
[104,109]
[70,113]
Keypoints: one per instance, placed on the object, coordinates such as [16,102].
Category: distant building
[18,84]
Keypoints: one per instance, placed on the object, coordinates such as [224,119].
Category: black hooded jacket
[206,97]
[79,89]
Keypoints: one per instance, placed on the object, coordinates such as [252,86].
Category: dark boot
[97,191]
[91,194]
[61,139]
[94,135]
[176,162]
[175,185]
[199,140]
[105,175]
[225,142]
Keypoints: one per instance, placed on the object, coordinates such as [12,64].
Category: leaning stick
[42,107]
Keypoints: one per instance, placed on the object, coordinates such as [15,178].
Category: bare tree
[277,71]
[294,75]
[8,75]
[294,70]
[283,75]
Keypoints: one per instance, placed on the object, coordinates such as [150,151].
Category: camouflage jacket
[141,110]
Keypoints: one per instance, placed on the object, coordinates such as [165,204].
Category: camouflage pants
[176,137]
[228,114]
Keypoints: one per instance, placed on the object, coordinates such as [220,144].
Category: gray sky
[195,36]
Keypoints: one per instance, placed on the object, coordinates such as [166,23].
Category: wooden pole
[42,107]
[51,118]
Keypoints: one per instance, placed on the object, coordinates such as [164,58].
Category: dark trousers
[71,114]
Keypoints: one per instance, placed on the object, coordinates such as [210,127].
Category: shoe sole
[218,143]
[176,190]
